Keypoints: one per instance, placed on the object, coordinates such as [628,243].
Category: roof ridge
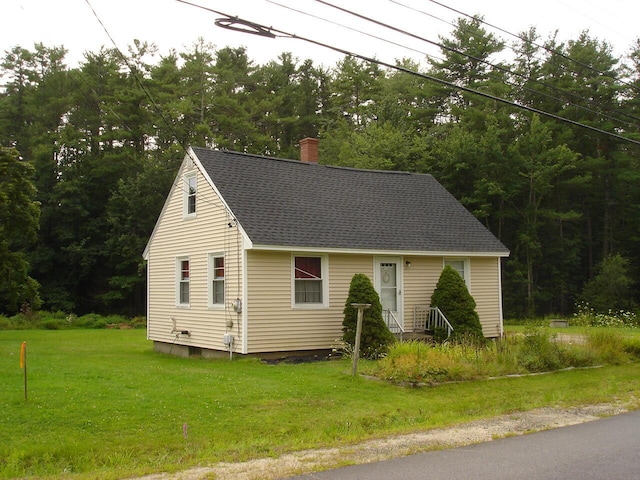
[245,154]
[298,162]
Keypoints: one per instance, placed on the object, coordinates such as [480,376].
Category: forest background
[89,153]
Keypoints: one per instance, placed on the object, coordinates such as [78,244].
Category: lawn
[102,404]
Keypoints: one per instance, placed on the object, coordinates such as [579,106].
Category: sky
[173,25]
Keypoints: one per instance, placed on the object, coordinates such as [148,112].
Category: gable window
[460,265]
[183,276]
[190,192]
[216,279]
[309,280]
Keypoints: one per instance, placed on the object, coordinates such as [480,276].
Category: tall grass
[537,350]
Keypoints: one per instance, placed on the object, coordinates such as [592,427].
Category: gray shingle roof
[289,203]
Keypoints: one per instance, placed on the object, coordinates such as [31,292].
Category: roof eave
[369,251]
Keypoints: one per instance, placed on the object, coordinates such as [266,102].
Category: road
[607,449]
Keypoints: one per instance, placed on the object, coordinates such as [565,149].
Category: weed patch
[536,351]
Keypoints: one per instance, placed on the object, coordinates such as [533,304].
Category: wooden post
[23,365]
[356,350]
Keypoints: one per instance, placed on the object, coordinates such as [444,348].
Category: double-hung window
[183,277]
[216,280]
[309,280]
[460,265]
[190,192]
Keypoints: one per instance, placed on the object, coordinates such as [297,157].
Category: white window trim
[467,268]
[210,271]
[324,268]
[179,280]
[185,195]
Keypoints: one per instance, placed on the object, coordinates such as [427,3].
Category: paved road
[607,449]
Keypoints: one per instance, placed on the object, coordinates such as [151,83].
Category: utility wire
[281,33]
[159,111]
[525,40]
[317,17]
[549,50]
[483,61]
[491,74]
[135,74]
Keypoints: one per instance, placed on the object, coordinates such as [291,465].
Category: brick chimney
[309,150]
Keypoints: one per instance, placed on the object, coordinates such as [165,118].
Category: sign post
[23,366]
[356,350]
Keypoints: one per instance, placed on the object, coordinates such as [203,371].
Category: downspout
[148,306]
[499,259]
[245,339]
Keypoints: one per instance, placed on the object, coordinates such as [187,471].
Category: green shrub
[611,288]
[608,345]
[376,336]
[632,347]
[93,320]
[440,334]
[85,321]
[454,300]
[60,320]
[586,316]
[138,322]
[53,324]
[5,323]
[539,353]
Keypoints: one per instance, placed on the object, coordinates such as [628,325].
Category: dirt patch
[308,461]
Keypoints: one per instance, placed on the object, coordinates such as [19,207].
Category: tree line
[92,151]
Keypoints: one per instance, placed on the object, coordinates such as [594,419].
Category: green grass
[102,404]
[626,332]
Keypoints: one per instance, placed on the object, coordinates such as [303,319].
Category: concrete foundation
[186,351]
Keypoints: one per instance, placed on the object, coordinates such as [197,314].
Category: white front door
[388,284]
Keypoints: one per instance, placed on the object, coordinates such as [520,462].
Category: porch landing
[418,336]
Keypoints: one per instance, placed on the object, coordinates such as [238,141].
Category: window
[191,188]
[308,280]
[460,265]
[216,279]
[184,275]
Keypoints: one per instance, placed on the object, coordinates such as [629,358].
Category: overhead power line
[333,22]
[180,184]
[248,26]
[488,63]
[520,37]
[539,82]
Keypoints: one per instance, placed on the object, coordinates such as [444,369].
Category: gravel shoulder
[308,461]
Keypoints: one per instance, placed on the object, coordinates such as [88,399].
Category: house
[254,255]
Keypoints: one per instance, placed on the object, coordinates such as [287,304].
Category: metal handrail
[430,318]
[438,320]
[420,318]
[392,323]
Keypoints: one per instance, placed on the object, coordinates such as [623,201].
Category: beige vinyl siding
[197,237]
[485,289]
[421,278]
[274,324]
[420,281]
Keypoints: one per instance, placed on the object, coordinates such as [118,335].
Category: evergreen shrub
[454,300]
[376,336]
